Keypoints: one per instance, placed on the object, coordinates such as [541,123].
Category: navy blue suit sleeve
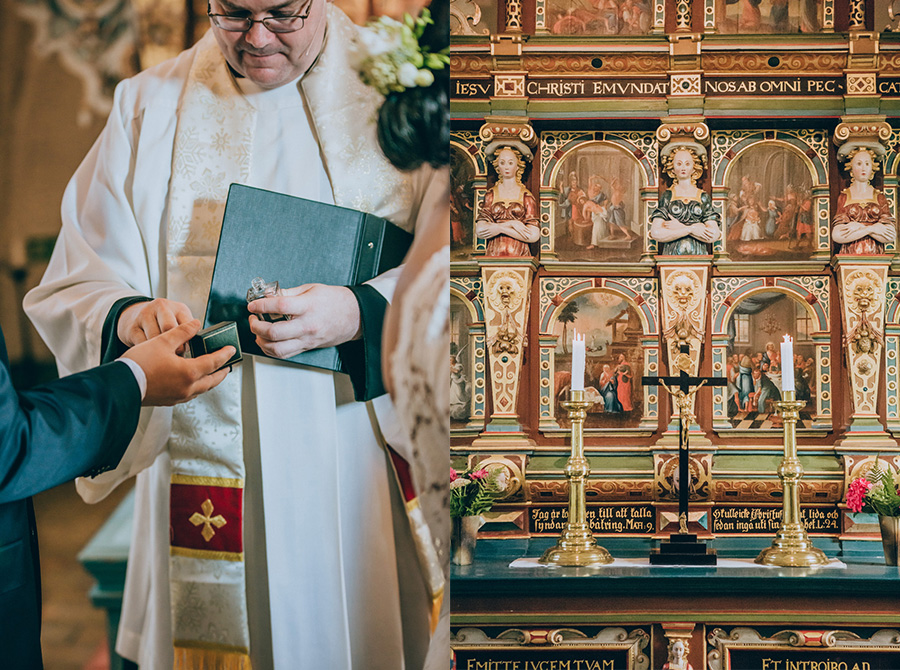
[77,425]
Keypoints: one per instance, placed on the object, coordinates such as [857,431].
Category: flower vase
[890,531]
[463,535]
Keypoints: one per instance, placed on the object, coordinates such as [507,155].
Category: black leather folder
[295,241]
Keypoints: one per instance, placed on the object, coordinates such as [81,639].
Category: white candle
[577,362]
[787,364]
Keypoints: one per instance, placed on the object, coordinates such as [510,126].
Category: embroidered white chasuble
[318,538]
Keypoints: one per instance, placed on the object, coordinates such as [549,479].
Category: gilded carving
[861,83]
[506,307]
[862,290]
[513,16]
[861,466]
[684,314]
[465,18]
[744,490]
[869,129]
[559,64]
[607,490]
[634,643]
[682,297]
[864,296]
[512,465]
[665,477]
[506,294]
[759,63]
[471,65]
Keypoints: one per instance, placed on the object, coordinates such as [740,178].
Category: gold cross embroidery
[207,520]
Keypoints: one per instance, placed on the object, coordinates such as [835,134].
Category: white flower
[377,42]
[459,483]
[424,78]
[406,75]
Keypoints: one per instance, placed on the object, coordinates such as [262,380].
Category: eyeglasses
[275,24]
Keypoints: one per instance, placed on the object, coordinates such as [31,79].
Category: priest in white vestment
[306,575]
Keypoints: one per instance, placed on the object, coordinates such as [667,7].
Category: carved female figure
[508,218]
[863,222]
[684,222]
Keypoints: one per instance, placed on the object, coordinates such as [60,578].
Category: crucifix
[683,547]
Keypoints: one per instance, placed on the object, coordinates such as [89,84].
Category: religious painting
[598,209]
[460,363]
[613,359]
[768,16]
[462,203]
[769,211]
[599,17]
[753,360]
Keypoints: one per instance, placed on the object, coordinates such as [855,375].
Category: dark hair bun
[414,125]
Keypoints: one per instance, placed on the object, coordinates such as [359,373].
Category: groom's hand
[172,379]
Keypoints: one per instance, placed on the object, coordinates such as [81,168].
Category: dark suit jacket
[78,425]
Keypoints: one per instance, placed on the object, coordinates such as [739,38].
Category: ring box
[214,338]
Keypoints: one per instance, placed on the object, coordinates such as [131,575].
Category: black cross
[681,396]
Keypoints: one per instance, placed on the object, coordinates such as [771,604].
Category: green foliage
[471,496]
[882,498]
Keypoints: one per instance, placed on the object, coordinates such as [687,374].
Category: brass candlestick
[791,547]
[576,545]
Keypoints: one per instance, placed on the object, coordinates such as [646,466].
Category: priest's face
[266,58]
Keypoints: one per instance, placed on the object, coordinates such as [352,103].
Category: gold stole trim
[190,655]
[208,481]
[200,553]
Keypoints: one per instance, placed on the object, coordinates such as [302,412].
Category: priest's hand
[321,316]
[145,320]
[172,379]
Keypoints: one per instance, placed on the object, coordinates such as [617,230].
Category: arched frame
[469,291]
[641,294]
[556,147]
[811,147]
[471,145]
[810,291]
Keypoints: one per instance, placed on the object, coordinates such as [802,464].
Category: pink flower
[479,474]
[453,475]
[856,493]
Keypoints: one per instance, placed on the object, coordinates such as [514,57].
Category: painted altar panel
[771,188]
[599,17]
[618,318]
[754,17]
[597,187]
[750,318]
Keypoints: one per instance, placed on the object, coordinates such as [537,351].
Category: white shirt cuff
[139,375]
